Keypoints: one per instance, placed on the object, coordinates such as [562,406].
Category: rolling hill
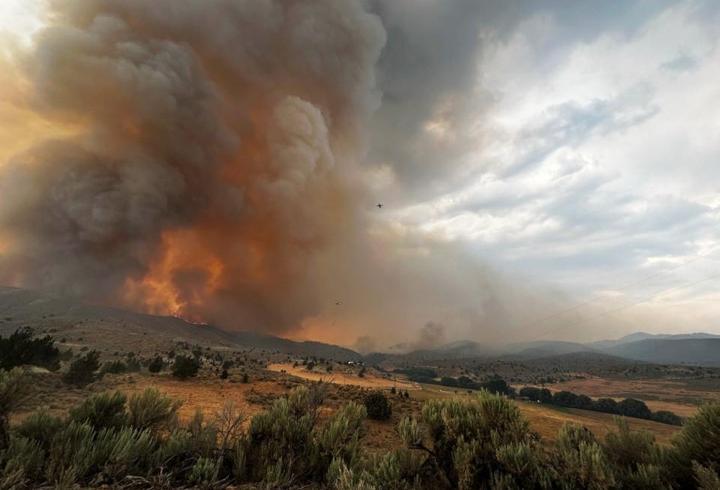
[700,351]
[107,329]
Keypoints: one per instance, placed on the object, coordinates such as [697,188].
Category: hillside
[107,329]
[700,351]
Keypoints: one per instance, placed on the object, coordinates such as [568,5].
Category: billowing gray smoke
[213,169]
[206,161]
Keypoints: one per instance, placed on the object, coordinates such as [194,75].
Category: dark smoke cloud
[215,166]
[217,138]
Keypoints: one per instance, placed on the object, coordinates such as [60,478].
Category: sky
[583,148]
[572,148]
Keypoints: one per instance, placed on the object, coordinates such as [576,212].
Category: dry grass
[547,421]
[675,395]
[370,380]
[209,394]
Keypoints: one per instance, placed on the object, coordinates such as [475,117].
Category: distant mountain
[461,349]
[545,348]
[693,348]
[456,350]
[637,336]
[108,329]
[699,351]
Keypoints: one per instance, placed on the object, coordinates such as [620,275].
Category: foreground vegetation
[477,442]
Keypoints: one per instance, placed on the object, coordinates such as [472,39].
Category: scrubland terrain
[116,395]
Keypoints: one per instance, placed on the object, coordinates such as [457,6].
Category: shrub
[565,399]
[152,410]
[126,451]
[706,478]
[185,367]
[699,442]
[283,435]
[14,389]
[472,442]
[584,402]
[114,367]
[530,392]
[498,386]
[666,417]
[102,411]
[635,456]
[203,472]
[22,462]
[377,406]
[71,454]
[82,370]
[40,427]
[284,445]
[606,405]
[156,365]
[21,348]
[631,407]
[580,461]
[133,364]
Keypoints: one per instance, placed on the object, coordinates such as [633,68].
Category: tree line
[629,407]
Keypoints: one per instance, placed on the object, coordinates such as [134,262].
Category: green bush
[377,406]
[125,451]
[698,442]
[71,455]
[82,371]
[152,410]
[156,365]
[495,385]
[21,348]
[114,367]
[579,461]
[204,472]
[531,393]
[637,460]
[631,407]
[472,442]
[40,427]
[21,464]
[285,445]
[185,367]
[14,389]
[102,411]
[607,405]
[666,417]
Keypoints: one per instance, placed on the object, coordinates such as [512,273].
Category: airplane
[380,205]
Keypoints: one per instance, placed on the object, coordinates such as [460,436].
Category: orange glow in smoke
[159,292]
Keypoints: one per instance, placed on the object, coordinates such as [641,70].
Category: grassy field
[547,419]
[209,393]
[679,396]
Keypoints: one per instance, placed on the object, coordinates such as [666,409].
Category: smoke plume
[210,166]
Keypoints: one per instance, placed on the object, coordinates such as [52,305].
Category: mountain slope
[112,329]
[700,351]
[638,336]
[545,348]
